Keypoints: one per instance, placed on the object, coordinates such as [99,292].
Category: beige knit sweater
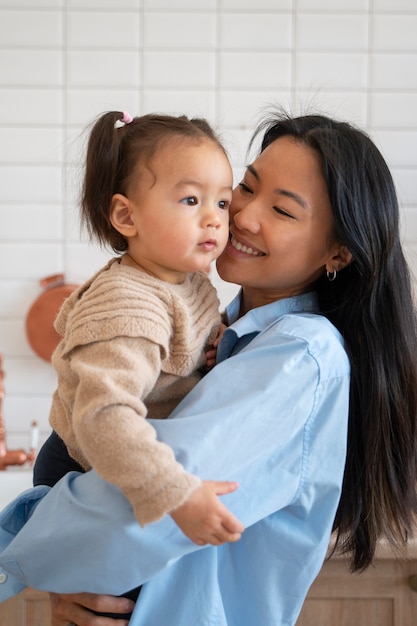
[131,348]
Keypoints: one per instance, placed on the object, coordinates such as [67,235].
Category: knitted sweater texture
[132,346]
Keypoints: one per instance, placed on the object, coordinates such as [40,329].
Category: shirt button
[3,578]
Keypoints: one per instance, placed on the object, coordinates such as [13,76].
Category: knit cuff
[166,496]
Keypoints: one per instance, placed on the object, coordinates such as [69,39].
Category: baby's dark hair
[113,153]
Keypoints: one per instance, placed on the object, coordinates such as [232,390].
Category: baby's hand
[211,353]
[204,519]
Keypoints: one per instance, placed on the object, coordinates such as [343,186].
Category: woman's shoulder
[316,335]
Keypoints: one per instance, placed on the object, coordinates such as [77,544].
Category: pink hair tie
[127,118]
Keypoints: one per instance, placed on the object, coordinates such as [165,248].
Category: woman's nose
[246,217]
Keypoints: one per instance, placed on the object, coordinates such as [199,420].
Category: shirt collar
[259,318]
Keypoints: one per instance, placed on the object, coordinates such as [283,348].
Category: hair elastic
[127,118]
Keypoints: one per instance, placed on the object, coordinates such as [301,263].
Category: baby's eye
[190,201]
[224,204]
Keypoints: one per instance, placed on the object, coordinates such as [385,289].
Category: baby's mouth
[208,245]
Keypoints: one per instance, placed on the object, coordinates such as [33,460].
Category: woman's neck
[254,298]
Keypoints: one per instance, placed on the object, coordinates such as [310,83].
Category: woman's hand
[204,519]
[77,609]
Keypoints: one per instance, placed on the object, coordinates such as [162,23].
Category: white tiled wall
[62,62]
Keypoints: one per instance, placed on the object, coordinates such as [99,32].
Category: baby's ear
[121,216]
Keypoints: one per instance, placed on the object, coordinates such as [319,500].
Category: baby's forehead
[182,161]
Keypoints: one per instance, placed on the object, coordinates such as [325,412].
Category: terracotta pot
[40,331]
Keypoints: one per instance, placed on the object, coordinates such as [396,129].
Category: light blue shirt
[273,417]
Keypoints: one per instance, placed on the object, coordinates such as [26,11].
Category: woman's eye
[224,204]
[190,201]
[243,187]
[277,209]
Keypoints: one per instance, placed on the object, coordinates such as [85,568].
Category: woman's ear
[340,259]
[121,216]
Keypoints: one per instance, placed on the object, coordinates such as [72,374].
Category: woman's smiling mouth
[241,247]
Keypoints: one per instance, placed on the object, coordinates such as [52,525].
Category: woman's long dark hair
[371,304]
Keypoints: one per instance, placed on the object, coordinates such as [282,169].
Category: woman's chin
[230,269]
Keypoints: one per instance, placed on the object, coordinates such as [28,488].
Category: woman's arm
[252,429]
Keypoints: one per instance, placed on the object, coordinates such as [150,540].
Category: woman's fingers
[77,609]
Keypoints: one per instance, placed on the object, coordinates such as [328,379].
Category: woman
[325,289]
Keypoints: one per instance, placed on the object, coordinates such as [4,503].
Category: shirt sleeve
[256,418]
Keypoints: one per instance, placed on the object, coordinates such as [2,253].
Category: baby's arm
[204,519]
[109,420]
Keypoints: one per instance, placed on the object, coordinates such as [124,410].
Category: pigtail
[102,171]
